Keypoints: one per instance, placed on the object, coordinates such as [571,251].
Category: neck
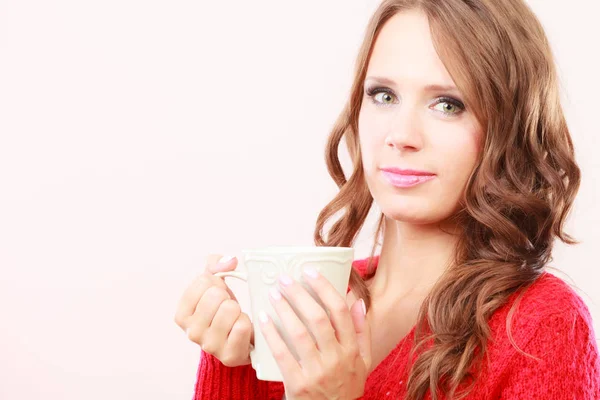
[412,259]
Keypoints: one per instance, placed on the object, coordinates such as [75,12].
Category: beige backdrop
[138,136]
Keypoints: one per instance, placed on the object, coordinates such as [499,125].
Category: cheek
[367,149]
[459,156]
[370,140]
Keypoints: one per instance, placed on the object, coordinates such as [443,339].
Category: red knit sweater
[551,322]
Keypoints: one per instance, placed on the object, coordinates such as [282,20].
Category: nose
[405,131]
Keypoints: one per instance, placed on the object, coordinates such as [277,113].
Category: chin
[414,215]
[418,213]
[411,218]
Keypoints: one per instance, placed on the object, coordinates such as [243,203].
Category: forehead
[404,52]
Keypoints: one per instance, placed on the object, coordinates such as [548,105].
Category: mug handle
[234,274]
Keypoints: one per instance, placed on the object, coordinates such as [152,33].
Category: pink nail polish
[275,293]
[285,280]
[310,271]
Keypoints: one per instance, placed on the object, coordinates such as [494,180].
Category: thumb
[363,331]
[217,263]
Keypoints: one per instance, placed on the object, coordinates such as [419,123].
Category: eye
[449,106]
[385,98]
[381,96]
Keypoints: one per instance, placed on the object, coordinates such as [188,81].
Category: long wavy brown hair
[516,200]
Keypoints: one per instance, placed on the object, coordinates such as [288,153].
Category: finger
[339,314]
[207,307]
[299,334]
[363,331]
[192,294]
[238,341]
[215,337]
[314,316]
[218,263]
[289,367]
[216,284]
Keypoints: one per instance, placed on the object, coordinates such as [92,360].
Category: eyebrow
[428,88]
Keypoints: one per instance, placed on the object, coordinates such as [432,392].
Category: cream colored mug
[264,265]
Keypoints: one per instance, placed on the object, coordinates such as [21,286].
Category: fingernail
[225,259]
[364,308]
[310,271]
[285,280]
[262,315]
[275,293]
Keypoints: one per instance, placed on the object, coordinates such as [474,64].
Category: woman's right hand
[211,316]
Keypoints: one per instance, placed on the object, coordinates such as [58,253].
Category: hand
[210,315]
[335,364]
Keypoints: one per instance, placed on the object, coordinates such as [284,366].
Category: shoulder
[549,296]
[549,314]
[557,349]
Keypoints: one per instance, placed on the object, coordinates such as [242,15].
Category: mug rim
[297,249]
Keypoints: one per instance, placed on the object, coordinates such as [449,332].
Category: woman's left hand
[336,363]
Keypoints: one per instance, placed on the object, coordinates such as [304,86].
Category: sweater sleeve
[569,367]
[217,381]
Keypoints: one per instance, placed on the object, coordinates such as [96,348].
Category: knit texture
[551,323]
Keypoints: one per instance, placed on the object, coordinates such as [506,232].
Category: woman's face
[407,121]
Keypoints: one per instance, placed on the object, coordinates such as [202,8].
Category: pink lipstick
[404,178]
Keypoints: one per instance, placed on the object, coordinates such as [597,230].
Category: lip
[404,178]
[412,172]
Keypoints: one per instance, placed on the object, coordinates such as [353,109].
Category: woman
[455,130]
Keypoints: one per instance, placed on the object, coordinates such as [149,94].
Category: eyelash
[371,92]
